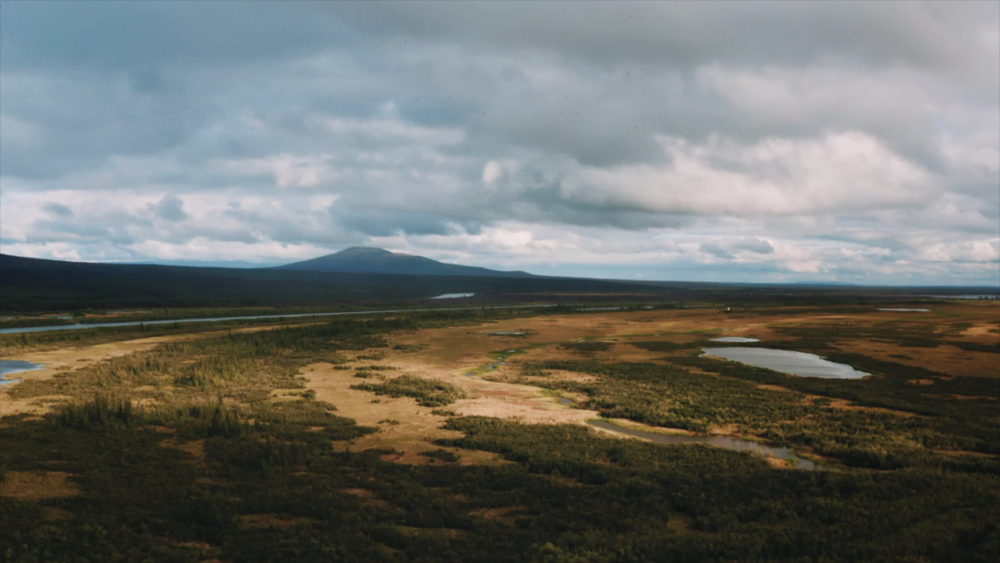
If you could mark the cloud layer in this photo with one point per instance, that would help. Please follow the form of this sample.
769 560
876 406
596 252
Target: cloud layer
702 141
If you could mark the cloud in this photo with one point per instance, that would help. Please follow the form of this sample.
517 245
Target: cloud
57 209
491 172
170 208
741 141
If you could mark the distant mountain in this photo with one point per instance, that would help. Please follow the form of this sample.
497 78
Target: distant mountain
366 260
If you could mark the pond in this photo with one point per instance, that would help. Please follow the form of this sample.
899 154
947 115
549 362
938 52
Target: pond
717 441
785 361
506 333
453 295
14 366
906 310
600 309
735 339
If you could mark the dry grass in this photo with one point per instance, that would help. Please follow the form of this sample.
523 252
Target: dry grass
942 359
37 485
194 449
494 513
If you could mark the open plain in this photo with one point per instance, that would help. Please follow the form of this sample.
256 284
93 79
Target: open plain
323 412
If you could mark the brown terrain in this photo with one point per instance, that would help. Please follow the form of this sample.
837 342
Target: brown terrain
462 355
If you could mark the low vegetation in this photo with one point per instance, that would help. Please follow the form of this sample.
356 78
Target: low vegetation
213 449
428 393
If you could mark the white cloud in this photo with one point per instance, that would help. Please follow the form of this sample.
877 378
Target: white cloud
491 172
839 172
289 171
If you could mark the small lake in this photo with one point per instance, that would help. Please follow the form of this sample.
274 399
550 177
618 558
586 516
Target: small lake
14 366
453 295
735 339
717 441
600 309
907 310
506 333
785 361
980 296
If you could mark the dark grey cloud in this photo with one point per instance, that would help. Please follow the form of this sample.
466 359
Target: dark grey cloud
170 208
57 210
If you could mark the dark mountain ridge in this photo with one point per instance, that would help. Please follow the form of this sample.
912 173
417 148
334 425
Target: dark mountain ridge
368 260
33 284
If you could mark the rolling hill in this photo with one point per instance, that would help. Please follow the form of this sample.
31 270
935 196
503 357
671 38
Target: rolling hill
368 260
32 284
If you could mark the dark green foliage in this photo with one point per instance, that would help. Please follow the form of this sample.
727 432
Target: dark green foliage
441 454
945 421
102 411
670 396
976 346
409 348
376 356
587 347
428 393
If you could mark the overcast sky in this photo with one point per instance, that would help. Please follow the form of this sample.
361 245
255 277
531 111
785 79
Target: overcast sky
732 141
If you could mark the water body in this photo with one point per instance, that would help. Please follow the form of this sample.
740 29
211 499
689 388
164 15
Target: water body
717 441
13 366
600 309
453 295
565 401
795 363
994 296
80 326
735 339
907 310
505 333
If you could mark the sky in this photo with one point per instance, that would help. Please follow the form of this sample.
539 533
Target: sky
853 142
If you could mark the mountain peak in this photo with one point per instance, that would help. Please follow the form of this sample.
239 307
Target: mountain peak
366 259
361 251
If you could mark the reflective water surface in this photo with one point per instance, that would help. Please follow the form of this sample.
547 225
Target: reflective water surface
80 326
15 366
735 339
795 363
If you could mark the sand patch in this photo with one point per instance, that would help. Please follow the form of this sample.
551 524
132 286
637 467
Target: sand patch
416 427
37 485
